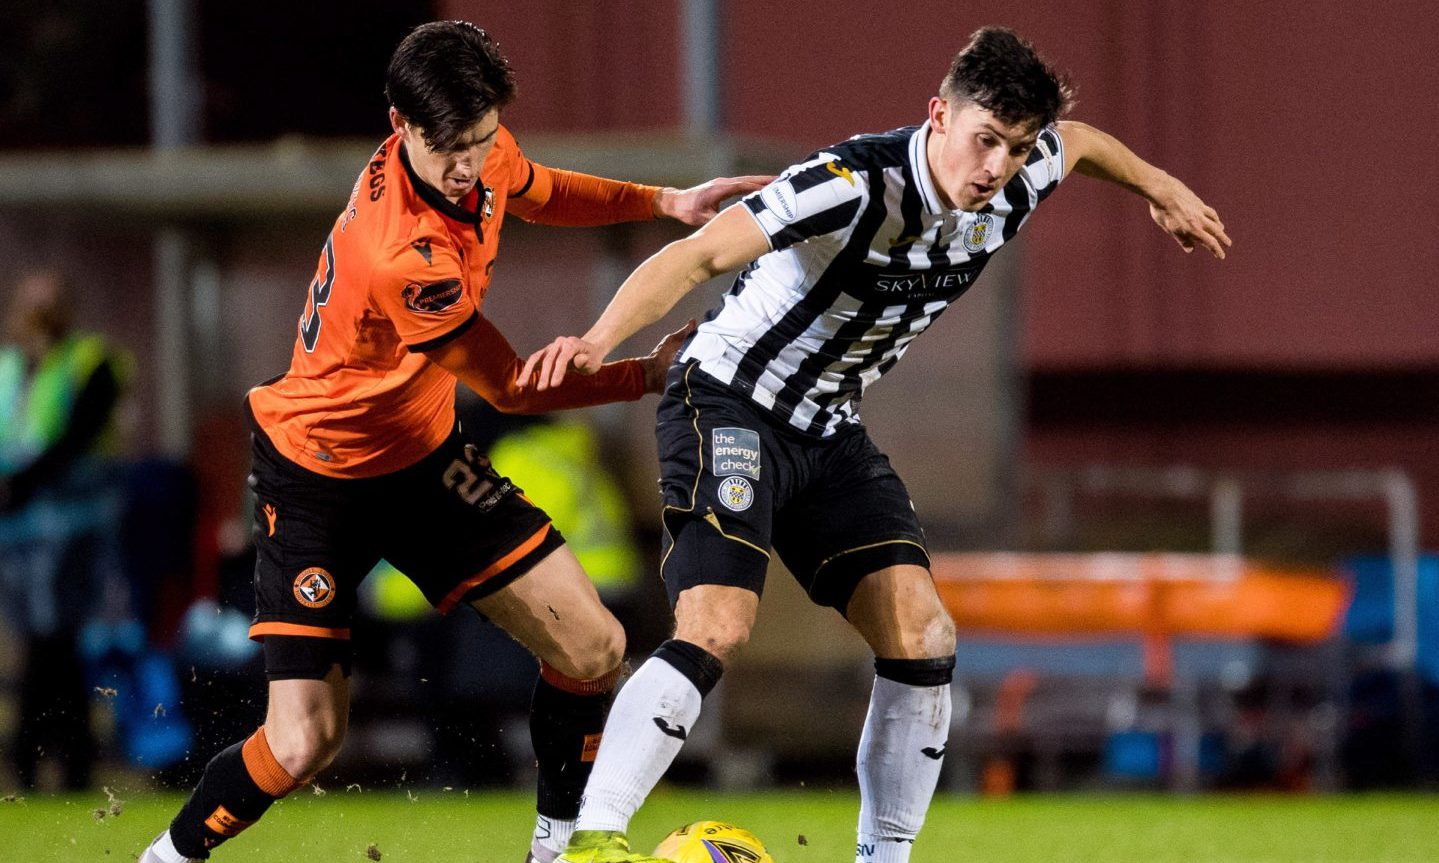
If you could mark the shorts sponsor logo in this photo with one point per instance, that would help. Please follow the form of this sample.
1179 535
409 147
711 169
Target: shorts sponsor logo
475 481
735 452
781 200
977 234
736 493
314 588
432 298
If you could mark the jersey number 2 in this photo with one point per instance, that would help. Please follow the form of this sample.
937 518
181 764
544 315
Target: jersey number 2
319 295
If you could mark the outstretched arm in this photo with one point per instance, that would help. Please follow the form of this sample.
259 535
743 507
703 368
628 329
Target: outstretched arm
556 197
729 241
481 357
1177 210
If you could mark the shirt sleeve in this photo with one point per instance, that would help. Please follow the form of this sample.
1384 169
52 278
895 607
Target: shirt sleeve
422 290
817 197
1045 165
551 196
556 197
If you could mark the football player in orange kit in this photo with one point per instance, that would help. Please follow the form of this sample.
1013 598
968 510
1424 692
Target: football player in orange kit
357 455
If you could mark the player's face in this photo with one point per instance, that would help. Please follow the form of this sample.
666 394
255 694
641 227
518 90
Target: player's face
454 172
973 153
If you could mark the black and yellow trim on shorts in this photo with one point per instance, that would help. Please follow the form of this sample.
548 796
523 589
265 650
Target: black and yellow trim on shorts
709 518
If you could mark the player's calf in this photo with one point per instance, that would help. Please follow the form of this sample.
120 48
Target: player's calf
238 786
567 718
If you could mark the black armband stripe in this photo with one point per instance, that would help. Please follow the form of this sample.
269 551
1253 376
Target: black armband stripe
530 181
442 340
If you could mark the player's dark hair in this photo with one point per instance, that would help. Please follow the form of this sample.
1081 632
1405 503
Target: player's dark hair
1003 74
444 77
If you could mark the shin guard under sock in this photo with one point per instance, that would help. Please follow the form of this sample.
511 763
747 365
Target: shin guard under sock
567 717
237 787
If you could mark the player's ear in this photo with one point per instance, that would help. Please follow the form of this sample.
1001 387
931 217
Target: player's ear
397 122
938 113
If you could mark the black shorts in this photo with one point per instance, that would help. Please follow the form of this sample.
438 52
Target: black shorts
449 522
736 483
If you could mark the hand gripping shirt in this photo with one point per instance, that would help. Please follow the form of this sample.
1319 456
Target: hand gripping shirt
404 271
864 257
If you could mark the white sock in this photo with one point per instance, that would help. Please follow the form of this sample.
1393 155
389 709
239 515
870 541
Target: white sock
551 837
162 850
635 752
900 753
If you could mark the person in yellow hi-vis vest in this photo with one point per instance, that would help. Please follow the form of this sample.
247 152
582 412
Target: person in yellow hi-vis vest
557 463
58 392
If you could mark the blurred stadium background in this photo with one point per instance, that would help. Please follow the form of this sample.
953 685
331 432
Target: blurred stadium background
1183 505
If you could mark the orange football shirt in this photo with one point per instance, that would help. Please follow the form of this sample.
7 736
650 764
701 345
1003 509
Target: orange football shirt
403 271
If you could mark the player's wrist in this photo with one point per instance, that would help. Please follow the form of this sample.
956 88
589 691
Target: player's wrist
655 370
1159 188
663 204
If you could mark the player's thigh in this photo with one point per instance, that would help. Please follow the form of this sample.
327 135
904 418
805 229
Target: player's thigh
900 615
555 611
720 474
853 518
717 617
305 721
459 530
313 547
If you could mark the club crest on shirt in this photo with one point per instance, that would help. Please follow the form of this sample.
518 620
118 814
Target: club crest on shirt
735 493
977 234
488 208
434 297
734 452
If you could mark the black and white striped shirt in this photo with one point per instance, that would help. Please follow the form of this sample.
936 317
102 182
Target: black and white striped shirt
864 258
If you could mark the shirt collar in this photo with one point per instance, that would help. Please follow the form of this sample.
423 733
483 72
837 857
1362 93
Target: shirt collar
432 196
919 162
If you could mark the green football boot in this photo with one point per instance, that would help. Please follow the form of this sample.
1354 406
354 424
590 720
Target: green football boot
603 846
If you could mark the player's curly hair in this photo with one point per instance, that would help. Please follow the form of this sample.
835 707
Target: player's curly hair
444 77
1002 73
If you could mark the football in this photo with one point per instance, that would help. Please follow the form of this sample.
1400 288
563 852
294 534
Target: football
713 842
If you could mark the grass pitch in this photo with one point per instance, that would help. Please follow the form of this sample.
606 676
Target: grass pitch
434 826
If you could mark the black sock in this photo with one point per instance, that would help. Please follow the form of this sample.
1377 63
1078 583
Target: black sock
228 799
566 720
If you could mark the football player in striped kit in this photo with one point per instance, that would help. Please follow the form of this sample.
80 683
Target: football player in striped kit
848 256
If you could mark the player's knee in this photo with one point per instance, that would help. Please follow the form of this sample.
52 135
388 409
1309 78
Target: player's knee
927 635
720 637
307 746
598 652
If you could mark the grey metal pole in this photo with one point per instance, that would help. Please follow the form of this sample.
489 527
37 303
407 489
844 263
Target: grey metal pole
174 87
174 124
700 56
1226 515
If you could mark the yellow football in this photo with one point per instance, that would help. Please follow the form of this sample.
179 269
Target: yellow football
713 842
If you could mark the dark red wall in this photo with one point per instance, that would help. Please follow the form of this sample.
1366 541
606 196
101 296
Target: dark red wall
1309 126
1305 124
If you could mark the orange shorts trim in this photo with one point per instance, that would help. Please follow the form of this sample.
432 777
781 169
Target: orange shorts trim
492 570
263 767
258 631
